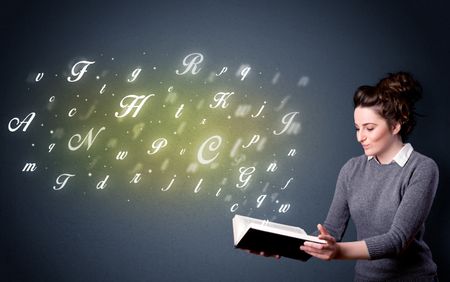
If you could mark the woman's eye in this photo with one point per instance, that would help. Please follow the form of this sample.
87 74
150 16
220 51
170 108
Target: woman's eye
370 129
357 129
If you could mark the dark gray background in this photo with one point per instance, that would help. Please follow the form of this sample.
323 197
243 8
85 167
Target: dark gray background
48 236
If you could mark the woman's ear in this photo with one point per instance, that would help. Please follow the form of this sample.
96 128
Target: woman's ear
396 128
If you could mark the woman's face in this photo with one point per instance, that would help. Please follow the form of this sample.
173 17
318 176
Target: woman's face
372 131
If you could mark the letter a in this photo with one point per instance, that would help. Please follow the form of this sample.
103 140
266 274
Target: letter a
27 120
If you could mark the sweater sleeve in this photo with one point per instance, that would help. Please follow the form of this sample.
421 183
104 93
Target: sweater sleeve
411 213
338 214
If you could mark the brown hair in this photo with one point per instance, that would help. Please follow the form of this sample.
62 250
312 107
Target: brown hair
393 98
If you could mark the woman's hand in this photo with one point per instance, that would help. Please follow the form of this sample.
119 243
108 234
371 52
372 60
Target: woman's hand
326 251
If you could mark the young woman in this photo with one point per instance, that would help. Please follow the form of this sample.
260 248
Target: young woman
388 191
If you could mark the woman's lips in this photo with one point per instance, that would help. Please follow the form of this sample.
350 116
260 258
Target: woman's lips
365 146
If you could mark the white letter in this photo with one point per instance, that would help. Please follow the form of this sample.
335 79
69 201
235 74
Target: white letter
215 144
134 75
287 120
102 184
88 137
80 73
133 104
190 62
29 118
254 140
62 180
29 167
121 155
234 207
157 145
284 208
246 174
39 76
221 98
260 200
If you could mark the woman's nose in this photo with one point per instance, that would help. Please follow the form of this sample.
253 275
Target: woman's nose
360 136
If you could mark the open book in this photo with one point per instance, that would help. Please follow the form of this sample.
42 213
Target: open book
271 238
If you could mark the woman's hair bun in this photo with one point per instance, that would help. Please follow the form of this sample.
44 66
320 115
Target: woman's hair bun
401 85
394 99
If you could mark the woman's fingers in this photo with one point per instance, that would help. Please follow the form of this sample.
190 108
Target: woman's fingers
318 255
322 229
310 250
328 238
314 245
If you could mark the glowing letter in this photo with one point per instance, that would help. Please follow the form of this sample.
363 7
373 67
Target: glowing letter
284 208
102 184
39 76
133 104
221 98
224 69
29 167
170 184
286 120
244 72
216 141
190 62
103 89
79 73
27 121
254 140
157 145
285 186
136 178
88 137
134 75
121 155
292 153
260 110
72 112
272 167
197 188
178 113
260 200
62 180
245 176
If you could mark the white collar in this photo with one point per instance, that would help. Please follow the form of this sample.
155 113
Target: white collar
402 156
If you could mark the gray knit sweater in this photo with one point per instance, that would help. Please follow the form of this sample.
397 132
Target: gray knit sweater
388 205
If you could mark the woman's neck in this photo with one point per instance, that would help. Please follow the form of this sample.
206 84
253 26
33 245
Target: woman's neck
387 156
